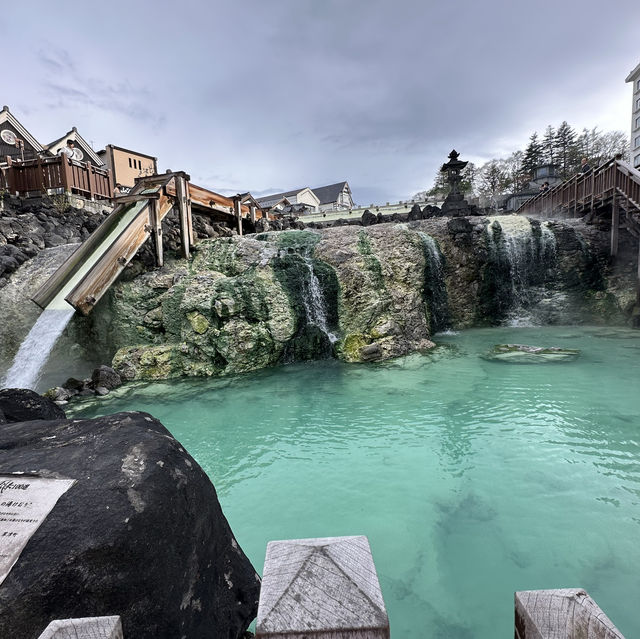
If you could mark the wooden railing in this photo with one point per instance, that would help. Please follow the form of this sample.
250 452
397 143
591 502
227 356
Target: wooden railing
58 173
586 191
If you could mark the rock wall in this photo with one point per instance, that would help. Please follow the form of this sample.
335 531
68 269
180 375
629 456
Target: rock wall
246 303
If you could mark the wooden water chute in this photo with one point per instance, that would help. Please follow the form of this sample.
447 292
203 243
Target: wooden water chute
89 272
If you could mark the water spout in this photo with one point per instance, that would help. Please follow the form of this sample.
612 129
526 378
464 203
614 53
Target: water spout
34 351
314 303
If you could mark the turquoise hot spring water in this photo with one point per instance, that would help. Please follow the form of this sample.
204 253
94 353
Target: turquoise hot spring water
471 478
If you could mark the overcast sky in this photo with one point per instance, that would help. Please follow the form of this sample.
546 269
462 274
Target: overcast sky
271 95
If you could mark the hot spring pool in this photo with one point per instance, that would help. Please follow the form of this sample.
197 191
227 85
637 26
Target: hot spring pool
471 478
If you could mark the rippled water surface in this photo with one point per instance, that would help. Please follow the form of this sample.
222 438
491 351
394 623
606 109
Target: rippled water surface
471 478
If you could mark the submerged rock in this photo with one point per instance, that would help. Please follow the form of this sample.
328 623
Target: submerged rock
523 354
140 534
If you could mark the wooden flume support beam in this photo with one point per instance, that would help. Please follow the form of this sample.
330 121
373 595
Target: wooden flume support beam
88 273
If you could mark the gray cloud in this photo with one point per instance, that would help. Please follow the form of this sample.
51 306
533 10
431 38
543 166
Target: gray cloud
250 94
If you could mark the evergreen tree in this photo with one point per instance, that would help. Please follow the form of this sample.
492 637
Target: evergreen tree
492 179
548 145
469 178
440 186
567 153
533 155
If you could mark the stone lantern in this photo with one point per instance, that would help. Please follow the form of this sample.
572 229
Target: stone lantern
454 204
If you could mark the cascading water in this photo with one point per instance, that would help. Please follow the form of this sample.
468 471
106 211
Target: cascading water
521 254
314 303
435 288
37 346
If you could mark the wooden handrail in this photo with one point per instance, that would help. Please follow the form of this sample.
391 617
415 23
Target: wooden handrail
583 189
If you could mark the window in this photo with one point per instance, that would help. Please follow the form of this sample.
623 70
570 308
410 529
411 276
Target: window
636 142
637 104
130 163
637 85
636 160
637 123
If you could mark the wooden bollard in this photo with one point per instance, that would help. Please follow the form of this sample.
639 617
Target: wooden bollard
327 586
84 628
568 613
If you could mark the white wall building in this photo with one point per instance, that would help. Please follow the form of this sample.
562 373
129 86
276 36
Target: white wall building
634 78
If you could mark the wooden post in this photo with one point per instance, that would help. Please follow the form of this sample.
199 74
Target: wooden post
321 588
181 200
84 628
638 286
238 211
568 613
615 224
92 180
156 230
66 174
192 241
39 175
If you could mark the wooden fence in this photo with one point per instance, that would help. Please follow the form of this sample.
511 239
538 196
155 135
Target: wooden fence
58 173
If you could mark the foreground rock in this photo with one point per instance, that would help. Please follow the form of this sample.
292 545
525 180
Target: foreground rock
21 405
141 535
523 354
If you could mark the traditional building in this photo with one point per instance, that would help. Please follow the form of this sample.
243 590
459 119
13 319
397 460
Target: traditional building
127 165
541 174
82 149
304 196
334 197
634 78
15 141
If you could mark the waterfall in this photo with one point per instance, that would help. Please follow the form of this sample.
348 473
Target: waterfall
521 255
36 348
435 288
314 303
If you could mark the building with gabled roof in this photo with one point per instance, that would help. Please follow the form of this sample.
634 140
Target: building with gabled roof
82 151
298 196
15 141
334 197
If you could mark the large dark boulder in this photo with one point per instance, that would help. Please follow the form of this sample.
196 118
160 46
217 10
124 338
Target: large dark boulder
141 534
368 218
21 405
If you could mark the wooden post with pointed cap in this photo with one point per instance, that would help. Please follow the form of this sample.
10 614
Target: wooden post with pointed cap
568 613
326 588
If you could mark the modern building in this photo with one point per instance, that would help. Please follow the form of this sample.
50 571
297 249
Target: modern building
304 196
82 149
334 197
634 78
15 141
126 165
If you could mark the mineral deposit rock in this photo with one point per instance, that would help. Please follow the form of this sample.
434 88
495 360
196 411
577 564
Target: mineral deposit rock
140 534
525 354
